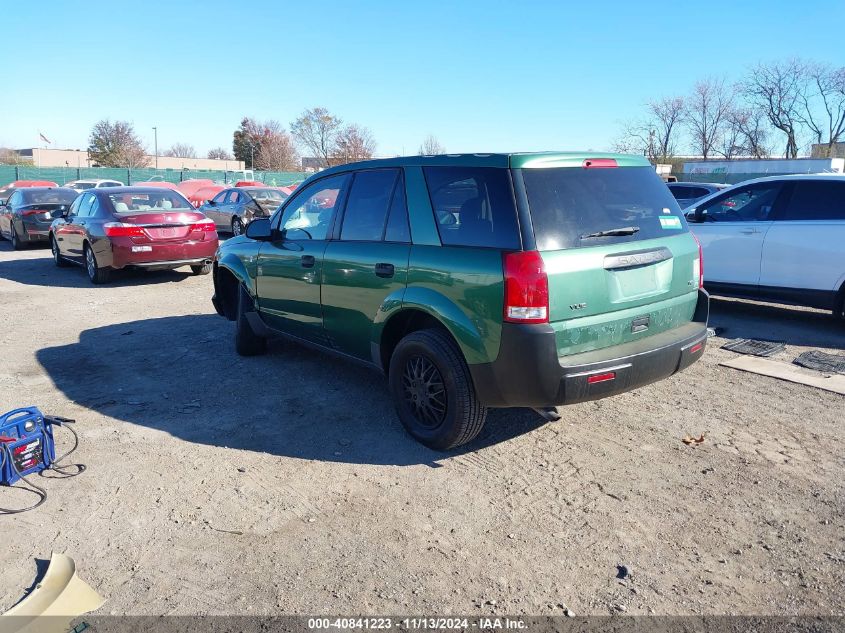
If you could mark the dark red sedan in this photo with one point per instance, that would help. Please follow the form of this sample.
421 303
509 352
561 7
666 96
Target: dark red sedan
142 227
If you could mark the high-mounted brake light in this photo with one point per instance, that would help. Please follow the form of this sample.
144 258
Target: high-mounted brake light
600 162
526 288
122 229
698 264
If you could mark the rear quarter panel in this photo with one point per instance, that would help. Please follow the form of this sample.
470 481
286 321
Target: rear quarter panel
464 289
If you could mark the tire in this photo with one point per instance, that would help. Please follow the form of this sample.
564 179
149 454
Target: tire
839 307
439 423
17 245
237 227
96 274
58 260
247 342
202 269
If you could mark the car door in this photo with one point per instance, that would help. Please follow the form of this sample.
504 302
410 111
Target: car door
71 234
731 228
289 270
804 247
369 261
214 209
6 213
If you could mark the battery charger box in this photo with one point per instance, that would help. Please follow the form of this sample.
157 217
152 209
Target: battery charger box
26 444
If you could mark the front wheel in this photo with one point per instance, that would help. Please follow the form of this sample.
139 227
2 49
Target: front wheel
237 227
96 274
433 391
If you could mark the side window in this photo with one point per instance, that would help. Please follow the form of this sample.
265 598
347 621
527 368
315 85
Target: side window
94 209
695 192
309 214
397 222
473 206
234 197
816 200
218 199
15 199
367 206
84 209
747 204
680 192
74 206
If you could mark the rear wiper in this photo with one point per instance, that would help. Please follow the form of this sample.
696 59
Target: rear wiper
625 230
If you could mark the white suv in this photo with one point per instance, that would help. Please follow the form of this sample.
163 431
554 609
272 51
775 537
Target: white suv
92 183
780 238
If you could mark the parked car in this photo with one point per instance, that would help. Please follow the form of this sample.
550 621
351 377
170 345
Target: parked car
232 209
163 184
7 190
92 183
26 216
141 227
688 193
188 187
476 281
204 194
780 238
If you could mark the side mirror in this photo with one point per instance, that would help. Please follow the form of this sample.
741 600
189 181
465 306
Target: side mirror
260 229
211 203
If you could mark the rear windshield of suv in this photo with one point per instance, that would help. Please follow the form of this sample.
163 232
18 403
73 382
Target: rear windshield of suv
575 207
473 206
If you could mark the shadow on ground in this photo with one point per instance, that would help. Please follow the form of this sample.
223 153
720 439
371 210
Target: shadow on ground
794 325
41 271
181 375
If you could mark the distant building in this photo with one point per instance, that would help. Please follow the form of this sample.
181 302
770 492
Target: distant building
78 158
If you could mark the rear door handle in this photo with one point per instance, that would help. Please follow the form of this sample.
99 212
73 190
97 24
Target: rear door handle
308 261
384 270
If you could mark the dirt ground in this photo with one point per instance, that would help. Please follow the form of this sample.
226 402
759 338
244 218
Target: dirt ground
285 483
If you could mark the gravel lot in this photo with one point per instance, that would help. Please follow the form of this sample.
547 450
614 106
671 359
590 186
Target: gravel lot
285 483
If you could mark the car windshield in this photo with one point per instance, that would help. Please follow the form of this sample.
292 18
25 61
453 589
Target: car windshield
50 196
134 201
572 208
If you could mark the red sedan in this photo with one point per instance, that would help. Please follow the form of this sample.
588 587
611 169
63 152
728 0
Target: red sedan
152 228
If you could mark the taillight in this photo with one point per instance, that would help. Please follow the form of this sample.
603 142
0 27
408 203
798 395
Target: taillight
526 288
206 224
122 229
600 162
698 264
34 211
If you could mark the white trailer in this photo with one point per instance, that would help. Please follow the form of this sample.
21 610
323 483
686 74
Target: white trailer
763 166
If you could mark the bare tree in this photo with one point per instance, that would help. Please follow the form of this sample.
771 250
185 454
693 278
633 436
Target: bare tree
777 89
277 153
116 145
657 135
354 143
181 150
431 146
316 130
219 153
706 114
823 104
749 133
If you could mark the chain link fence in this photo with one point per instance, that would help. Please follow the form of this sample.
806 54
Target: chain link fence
61 175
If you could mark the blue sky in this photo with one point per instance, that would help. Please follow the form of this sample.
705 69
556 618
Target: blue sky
479 75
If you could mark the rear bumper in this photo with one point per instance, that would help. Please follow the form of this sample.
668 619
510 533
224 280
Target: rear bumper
162 256
528 372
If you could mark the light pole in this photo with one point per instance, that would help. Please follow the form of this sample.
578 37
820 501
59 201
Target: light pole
155 136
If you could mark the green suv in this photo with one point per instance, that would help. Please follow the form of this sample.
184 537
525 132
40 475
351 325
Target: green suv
476 281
